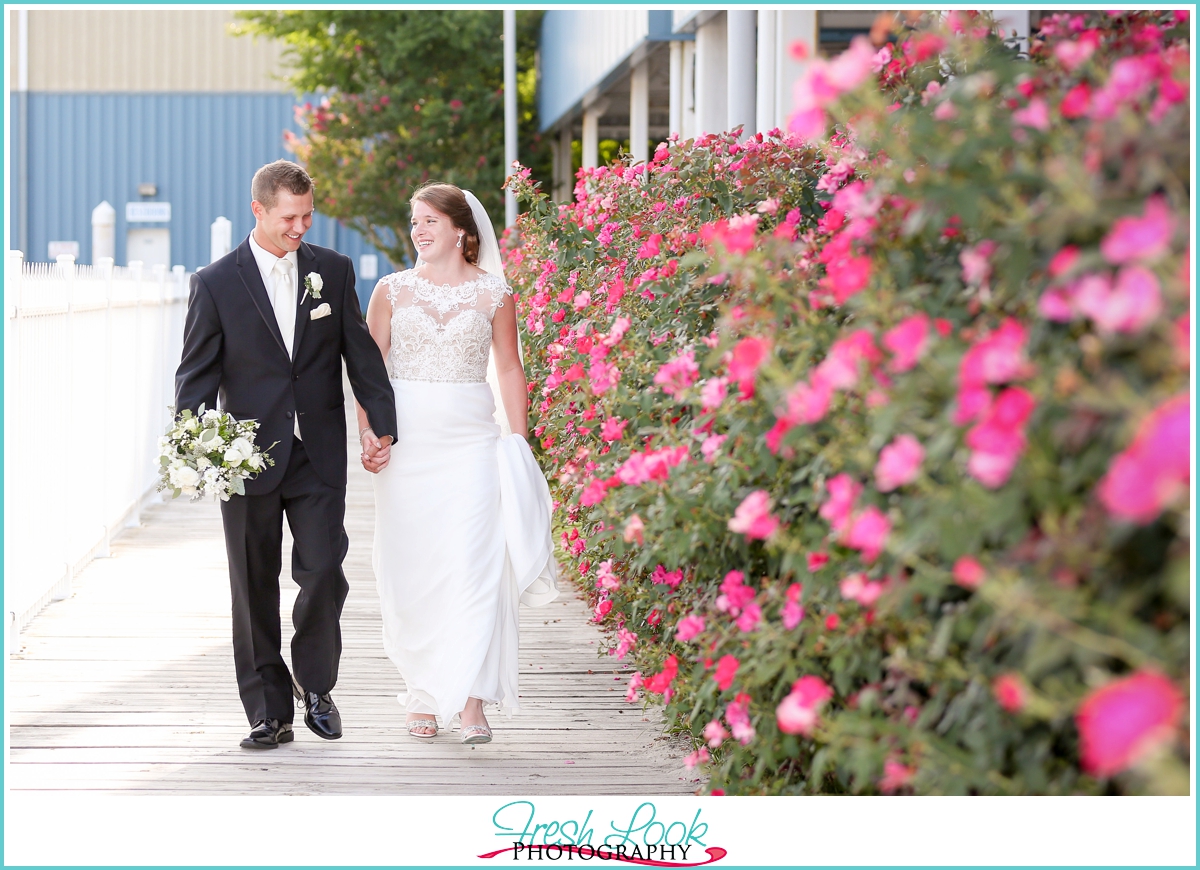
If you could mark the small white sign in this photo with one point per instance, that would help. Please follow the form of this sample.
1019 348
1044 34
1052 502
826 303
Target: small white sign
147 212
368 266
56 249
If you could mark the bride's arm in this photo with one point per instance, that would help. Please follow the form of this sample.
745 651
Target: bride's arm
509 371
379 323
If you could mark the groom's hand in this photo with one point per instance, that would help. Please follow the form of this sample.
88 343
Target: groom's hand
376 452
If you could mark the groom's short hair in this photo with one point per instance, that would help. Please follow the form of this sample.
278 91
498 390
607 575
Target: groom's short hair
281 174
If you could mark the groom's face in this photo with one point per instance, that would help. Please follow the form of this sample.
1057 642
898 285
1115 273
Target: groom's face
282 227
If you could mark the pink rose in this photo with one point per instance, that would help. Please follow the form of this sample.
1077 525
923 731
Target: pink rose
613 429
976 263
968 573
1121 722
689 627
895 776
843 493
634 530
868 533
858 588
603 376
1129 305
658 683
1010 692
816 561
713 393
907 342
1144 238
650 247
899 463
593 493
1154 470
748 356
792 614
736 235
678 374
715 733
1036 115
753 517
996 359
727 668
711 445
750 617
797 712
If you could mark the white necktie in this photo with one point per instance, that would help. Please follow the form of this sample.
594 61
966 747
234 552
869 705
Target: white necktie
285 302
285 312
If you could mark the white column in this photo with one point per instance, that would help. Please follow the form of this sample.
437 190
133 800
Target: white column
687 124
711 60
564 183
740 70
639 112
591 133
104 232
1014 20
510 110
764 98
791 26
675 124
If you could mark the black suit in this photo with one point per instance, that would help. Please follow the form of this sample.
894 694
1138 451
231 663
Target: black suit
232 347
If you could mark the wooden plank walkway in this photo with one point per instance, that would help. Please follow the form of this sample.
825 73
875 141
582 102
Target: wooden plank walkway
128 686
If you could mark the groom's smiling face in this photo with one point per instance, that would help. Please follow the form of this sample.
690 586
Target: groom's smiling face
281 227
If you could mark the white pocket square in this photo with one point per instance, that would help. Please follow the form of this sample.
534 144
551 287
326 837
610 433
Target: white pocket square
320 311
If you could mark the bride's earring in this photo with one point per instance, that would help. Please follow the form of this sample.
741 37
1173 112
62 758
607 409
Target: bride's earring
459 245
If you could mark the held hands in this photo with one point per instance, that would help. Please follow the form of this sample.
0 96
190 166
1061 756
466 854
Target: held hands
375 452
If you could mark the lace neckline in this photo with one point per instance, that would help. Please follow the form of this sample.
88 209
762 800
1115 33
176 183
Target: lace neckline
450 288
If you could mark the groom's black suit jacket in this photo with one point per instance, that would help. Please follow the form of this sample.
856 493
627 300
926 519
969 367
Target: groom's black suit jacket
232 347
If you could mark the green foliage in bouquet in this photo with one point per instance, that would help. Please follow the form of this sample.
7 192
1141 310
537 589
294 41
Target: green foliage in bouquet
209 453
873 452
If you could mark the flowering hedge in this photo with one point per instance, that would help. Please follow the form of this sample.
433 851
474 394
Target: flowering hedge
871 439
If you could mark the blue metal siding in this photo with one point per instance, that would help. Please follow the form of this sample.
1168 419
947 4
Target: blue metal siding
201 149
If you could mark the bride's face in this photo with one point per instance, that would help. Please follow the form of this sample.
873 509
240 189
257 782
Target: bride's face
434 235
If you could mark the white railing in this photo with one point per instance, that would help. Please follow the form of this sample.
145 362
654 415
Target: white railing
90 354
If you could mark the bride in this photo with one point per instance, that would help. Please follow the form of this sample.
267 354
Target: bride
462 514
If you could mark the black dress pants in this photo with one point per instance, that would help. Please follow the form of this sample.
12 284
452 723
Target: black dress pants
254 542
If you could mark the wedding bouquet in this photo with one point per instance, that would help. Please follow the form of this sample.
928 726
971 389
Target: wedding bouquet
209 453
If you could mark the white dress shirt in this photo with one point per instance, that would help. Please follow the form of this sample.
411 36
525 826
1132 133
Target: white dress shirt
266 262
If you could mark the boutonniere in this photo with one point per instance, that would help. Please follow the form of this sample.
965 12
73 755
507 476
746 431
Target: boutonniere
313 285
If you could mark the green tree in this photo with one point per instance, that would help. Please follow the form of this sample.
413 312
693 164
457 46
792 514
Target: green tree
398 98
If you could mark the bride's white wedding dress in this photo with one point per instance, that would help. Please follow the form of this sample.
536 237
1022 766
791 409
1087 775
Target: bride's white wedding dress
462 515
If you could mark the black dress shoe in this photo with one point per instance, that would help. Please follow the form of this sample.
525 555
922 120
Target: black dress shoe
268 734
320 713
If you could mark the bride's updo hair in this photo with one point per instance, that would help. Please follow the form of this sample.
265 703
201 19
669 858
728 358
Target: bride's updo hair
451 202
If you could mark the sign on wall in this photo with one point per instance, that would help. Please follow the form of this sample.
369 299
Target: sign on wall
147 212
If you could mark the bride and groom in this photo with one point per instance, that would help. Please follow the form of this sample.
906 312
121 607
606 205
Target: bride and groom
462 514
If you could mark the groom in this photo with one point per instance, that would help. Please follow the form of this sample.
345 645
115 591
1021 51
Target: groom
268 326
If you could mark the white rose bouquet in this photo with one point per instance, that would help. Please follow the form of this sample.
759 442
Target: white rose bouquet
209 453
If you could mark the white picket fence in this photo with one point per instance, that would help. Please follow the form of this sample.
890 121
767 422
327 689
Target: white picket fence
90 354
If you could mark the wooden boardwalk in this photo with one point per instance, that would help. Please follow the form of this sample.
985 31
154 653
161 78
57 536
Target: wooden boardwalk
128 686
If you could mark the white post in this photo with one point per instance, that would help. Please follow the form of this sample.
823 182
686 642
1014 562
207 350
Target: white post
687 123
220 239
791 26
510 110
1014 27
765 95
13 447
566 181
135 273
675 124
639 112
105 265
62 589
711 81
104 232
740 70
591 133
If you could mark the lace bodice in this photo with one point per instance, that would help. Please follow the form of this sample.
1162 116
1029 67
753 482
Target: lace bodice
439 332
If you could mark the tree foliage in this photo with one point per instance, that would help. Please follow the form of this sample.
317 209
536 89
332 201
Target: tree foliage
396 98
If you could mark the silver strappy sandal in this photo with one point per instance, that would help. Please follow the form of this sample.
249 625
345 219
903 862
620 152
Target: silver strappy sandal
422 723
475 734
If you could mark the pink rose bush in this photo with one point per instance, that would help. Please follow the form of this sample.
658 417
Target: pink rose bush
874 460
